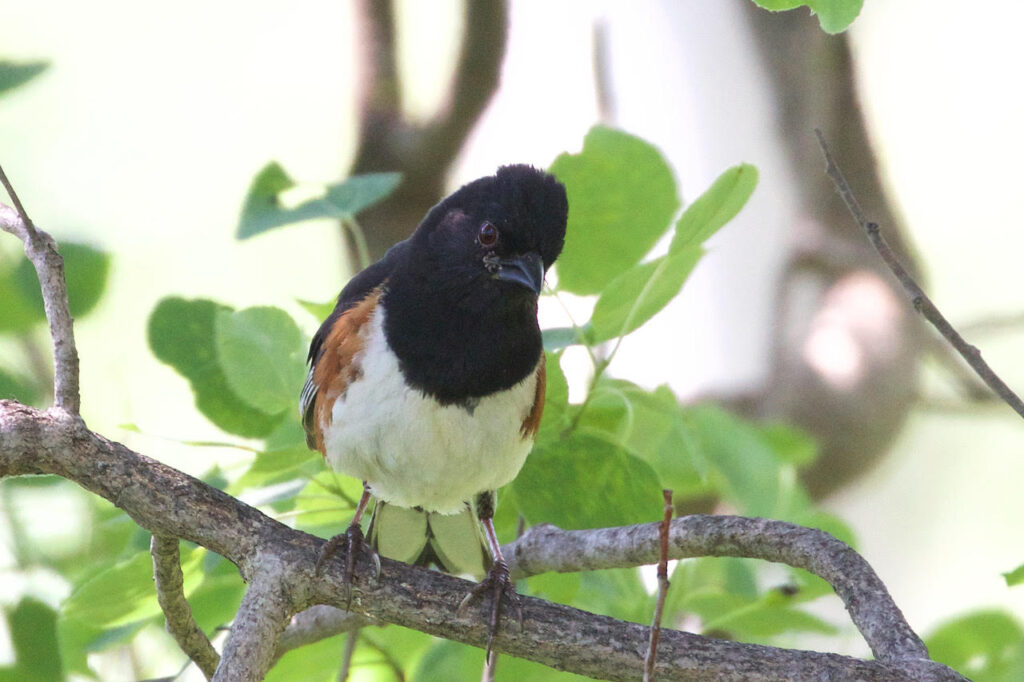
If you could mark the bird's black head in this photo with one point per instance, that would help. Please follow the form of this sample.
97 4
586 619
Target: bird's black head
461 298
507 228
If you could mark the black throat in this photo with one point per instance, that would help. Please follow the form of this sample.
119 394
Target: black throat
461 339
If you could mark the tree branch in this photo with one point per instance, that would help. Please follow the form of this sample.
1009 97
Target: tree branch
279 562
166 501
169 593
41 250
316 623
261 618
545 548
921 302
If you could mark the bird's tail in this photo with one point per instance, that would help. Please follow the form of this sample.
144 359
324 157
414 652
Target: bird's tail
452 542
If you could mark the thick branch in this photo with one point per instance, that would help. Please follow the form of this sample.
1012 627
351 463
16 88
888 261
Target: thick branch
42 252
261 618
921 302
169 592
168 502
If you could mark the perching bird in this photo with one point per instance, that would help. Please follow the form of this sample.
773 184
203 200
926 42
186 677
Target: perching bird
427 380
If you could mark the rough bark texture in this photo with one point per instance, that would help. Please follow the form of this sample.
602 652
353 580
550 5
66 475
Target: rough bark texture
169 583
278 562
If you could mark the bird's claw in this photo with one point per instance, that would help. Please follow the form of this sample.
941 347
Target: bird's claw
353 541
501 588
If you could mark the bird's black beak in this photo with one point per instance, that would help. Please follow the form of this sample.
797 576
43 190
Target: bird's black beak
526 269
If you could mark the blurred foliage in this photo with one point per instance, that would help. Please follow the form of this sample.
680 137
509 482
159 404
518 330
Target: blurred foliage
13 74
835 16
986 646
599 461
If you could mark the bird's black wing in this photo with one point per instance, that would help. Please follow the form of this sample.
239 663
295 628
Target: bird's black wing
358 288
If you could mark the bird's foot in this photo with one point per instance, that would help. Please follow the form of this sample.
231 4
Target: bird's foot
501 588
354 542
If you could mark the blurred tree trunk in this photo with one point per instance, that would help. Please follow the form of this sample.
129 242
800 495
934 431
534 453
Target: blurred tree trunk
846 340
388 141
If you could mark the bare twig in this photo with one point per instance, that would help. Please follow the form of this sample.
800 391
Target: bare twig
42 252
663 585
351 639
22 213
921 302
169 592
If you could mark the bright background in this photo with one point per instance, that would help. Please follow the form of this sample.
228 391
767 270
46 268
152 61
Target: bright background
145 132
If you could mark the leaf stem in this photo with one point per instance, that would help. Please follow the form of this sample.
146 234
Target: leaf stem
350 223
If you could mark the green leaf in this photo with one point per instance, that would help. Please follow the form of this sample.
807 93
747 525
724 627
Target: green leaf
85 271
556 587
651 425
618 593
716 207
639 293
789 443
124 592
558 338
986 646
448 661
263 210
17 388
182 334
18 313
33 629
585 481
320 311
13 74
1014 577
317 662
276 466
261 352
835 16
622 197
215 601
359 192
746 470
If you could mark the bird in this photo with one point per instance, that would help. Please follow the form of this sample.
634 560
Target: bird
427 379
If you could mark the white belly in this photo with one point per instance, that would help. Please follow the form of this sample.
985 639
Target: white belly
412 451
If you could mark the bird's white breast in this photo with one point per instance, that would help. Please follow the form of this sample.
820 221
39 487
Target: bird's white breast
414 451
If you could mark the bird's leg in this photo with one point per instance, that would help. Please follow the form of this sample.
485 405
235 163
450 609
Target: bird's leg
354 542
497 582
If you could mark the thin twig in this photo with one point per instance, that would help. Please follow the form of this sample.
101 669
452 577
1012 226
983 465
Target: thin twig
921 302
18 206
346 655
663 585
171 596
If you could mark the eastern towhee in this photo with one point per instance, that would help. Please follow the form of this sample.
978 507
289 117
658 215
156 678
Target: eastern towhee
427 379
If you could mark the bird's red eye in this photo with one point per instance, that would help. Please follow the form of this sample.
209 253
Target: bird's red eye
488 235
